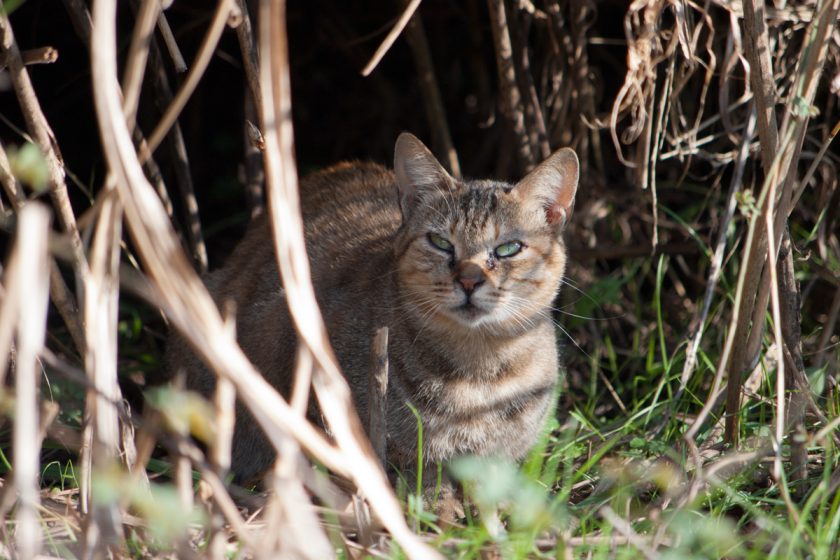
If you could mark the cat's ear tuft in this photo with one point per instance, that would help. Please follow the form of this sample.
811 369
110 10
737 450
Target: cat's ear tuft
417 171
553 183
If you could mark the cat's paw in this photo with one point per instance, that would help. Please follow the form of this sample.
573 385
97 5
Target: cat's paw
449 506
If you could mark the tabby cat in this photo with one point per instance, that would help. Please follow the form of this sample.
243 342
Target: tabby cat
462 272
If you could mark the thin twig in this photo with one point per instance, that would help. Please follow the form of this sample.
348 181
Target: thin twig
41 55
757 46
183 175
254 178
624 527
533 110
250 59
171 44
202 59
391 37
138 53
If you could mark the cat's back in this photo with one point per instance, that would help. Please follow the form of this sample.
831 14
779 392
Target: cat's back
350 210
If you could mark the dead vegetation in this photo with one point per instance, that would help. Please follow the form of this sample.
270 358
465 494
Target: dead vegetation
706 243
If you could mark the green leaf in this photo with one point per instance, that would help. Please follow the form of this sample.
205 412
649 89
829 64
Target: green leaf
29 166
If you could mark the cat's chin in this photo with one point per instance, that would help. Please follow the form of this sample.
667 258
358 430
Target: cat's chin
469 314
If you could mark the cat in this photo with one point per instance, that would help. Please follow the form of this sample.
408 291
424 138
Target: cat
463 273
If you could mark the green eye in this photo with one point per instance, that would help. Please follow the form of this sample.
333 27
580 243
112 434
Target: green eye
508 249
440 242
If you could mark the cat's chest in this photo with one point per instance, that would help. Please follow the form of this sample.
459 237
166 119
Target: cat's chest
492 409
454 393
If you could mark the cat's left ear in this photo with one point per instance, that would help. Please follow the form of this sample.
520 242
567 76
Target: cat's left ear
418 172
553 183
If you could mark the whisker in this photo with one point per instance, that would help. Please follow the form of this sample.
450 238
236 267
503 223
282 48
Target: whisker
567 282
531 306
570 314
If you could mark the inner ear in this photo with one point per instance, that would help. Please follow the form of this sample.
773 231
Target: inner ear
553 184
417 171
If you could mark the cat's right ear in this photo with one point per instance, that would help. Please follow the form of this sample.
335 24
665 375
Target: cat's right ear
553 184
418 172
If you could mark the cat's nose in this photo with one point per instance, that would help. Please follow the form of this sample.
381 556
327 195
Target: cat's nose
470 276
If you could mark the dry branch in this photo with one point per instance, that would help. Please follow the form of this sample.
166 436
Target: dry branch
171 44
27 292
391 37
432 101
537 133
178 288
250 59
41 132
202 59
59 291
41 55
754 287
254 176
715 271
511 98
183 175
138 54
330 386
378 391
192 311
101 436
757 43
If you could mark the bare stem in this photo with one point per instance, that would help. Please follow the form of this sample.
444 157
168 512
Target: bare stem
508 87
30 265
391 37
284 206
432 101
205 53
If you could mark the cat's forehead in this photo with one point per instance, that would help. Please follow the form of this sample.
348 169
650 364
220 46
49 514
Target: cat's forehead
480 203
474 207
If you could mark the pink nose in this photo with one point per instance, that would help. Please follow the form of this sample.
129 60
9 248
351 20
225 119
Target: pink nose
470 276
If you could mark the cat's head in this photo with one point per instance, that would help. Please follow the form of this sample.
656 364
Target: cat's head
481 254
